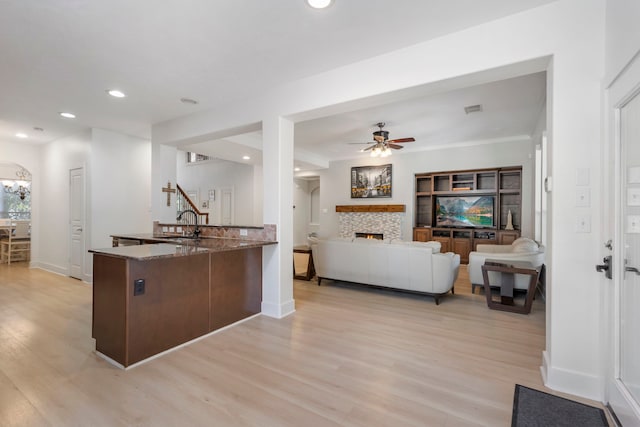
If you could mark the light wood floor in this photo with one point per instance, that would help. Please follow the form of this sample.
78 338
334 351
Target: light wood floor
349 356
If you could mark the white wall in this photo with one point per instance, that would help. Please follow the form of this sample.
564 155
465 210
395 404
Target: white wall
571 33
120 185
117 179
56 159
622 35
336 180
215 175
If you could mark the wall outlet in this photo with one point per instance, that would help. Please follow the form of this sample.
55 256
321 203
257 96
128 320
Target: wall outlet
138 287
243 232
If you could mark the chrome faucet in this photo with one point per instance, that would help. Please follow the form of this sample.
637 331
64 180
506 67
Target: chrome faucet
196 230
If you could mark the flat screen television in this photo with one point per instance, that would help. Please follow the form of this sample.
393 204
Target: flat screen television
465 211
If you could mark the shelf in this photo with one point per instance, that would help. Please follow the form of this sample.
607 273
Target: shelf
370 208
502 184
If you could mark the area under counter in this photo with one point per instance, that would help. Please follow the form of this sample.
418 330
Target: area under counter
188 291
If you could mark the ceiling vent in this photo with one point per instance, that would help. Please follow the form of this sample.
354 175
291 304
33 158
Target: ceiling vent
473 108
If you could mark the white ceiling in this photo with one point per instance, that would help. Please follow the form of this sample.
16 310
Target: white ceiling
61 55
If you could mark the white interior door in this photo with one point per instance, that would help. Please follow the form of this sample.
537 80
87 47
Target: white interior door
76 223
624 378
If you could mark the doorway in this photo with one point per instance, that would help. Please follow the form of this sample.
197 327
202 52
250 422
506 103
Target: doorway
76 223
623 224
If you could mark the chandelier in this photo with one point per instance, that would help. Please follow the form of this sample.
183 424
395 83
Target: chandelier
20 187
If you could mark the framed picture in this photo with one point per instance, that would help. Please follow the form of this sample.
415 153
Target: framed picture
370 182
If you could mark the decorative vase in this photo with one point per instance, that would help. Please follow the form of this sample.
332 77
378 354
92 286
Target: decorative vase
509 225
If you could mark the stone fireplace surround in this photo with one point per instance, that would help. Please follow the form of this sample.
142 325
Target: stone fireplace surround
387 223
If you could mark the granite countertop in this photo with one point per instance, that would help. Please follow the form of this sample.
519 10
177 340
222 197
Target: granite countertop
169 246
156 250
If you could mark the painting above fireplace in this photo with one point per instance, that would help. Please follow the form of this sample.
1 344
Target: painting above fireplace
370 181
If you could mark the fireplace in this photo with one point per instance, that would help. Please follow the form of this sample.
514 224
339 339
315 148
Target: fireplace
378 236
387 223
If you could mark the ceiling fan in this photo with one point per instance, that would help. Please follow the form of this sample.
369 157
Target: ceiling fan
382 144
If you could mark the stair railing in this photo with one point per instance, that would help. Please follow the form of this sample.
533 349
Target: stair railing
184 203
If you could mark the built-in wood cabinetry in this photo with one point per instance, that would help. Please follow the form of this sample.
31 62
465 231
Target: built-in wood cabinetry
504 184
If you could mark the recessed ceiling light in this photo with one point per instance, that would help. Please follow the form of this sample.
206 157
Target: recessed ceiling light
116 93
22 135
188 101
68 115
296 169
246 158
319 4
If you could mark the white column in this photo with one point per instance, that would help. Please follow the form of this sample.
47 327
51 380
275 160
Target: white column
277 263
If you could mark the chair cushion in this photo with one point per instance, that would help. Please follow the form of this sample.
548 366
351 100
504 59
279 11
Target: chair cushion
524 245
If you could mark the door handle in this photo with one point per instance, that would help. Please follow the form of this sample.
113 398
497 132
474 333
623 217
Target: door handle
606 267
635 270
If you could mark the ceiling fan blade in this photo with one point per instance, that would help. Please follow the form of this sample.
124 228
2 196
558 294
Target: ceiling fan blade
357 143
397 147
368 148
402 140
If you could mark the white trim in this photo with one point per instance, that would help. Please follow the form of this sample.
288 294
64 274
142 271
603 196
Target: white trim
573 382
621 91
278 311
50 268
627 413
155 356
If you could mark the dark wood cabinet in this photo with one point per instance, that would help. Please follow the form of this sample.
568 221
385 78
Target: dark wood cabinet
503 184
421 234
142 307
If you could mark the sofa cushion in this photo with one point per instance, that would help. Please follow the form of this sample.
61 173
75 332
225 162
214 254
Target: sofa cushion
524 245
364 240
340 239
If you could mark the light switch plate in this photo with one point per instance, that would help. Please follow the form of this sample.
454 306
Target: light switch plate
633 175
583 224
633 196
633 224
582 177
583 197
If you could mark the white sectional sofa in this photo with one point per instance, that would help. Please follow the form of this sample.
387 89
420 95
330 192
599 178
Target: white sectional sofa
411 266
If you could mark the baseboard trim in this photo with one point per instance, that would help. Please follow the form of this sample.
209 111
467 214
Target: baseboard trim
571 382
278 311
50 268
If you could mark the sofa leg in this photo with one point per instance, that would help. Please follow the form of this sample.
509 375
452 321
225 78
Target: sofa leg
473 288
437 300
453 290
319 280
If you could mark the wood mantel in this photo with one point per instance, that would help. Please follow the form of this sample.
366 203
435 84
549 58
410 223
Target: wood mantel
370 208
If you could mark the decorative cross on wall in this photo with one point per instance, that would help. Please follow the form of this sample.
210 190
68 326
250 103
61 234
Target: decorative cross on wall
168 190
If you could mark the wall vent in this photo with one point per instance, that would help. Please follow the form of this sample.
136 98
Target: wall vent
473 108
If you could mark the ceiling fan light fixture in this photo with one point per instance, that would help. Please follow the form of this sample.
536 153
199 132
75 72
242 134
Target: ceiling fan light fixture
319 4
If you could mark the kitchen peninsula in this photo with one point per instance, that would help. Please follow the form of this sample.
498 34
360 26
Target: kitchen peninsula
151 297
